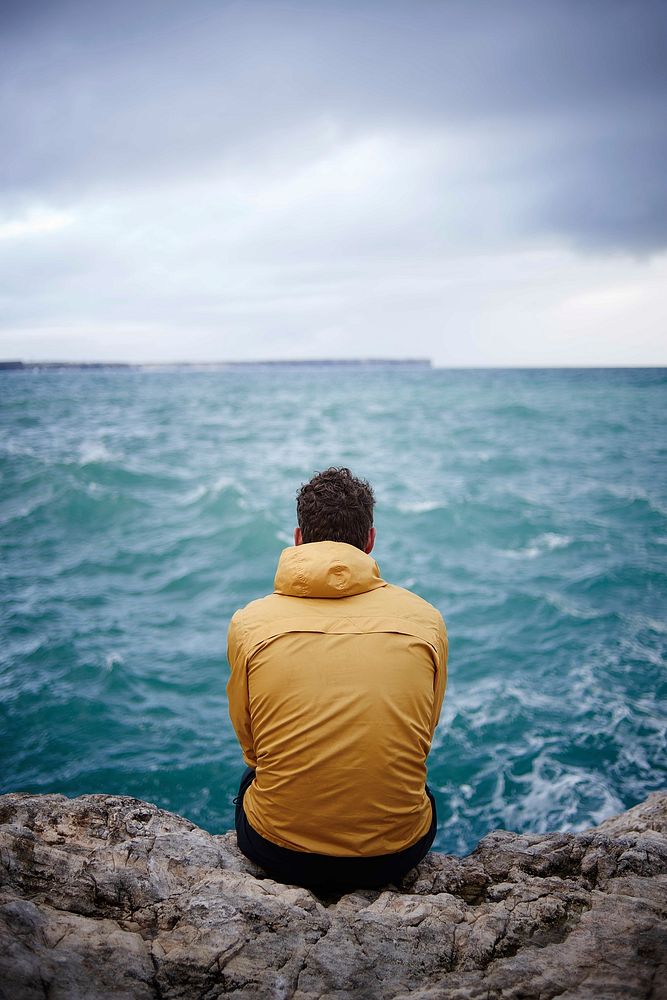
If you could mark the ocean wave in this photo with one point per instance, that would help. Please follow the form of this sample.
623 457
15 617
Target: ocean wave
546 542
628 576
18 509
624 498
74 506
572 609
14 449
419 506
552 795
217 496
193 495
518 411
113 659
190 582
94 452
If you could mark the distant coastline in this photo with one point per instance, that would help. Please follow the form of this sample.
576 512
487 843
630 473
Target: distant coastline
218 365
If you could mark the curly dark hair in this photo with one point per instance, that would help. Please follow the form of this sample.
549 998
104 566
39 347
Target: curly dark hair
335 506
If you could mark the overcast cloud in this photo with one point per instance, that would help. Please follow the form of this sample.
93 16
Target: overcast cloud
480 183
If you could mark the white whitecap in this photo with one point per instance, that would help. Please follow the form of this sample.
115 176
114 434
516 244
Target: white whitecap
543 543
554 541
419 506
13 448
568 607
193 495
554 794
94 451
112 659
220 484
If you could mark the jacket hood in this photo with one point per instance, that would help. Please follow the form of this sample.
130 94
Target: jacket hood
326 569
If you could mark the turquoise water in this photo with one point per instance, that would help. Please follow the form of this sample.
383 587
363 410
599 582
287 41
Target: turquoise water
138 510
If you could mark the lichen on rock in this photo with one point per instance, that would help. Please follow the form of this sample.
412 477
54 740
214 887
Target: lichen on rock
109 896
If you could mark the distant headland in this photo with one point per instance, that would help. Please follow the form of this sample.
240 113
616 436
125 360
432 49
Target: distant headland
220 365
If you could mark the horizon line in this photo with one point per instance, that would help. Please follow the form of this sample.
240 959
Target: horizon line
9 364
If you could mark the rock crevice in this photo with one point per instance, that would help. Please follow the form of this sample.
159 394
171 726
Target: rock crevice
109 896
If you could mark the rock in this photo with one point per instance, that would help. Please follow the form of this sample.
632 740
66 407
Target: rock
108 896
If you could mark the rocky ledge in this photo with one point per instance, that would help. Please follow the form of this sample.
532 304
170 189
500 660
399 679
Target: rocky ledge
108 896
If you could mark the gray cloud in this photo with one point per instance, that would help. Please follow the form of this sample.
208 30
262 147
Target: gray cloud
243 179
100 97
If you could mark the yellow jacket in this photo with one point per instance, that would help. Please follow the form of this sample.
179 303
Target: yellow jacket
337 681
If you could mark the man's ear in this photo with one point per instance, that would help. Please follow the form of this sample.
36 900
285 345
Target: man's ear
371 541
298 537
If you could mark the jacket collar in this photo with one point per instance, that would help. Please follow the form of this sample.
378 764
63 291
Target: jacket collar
326 569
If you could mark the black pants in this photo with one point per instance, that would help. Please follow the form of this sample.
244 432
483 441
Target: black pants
323 871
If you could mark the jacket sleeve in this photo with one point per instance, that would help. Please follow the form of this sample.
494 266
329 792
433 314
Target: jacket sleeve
237 689
440 679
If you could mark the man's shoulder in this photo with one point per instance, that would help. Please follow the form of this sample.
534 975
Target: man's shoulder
410 603
274 612
256 610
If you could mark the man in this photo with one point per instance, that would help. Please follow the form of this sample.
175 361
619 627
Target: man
337 681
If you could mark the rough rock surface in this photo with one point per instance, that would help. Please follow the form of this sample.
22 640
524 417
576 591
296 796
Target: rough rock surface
109 896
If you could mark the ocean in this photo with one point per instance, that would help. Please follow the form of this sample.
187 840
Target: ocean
139 509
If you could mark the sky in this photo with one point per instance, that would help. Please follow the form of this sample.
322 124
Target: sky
479 183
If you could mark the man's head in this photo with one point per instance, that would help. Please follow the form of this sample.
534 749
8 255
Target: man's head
336 507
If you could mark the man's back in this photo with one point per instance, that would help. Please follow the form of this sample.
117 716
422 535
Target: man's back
336 688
